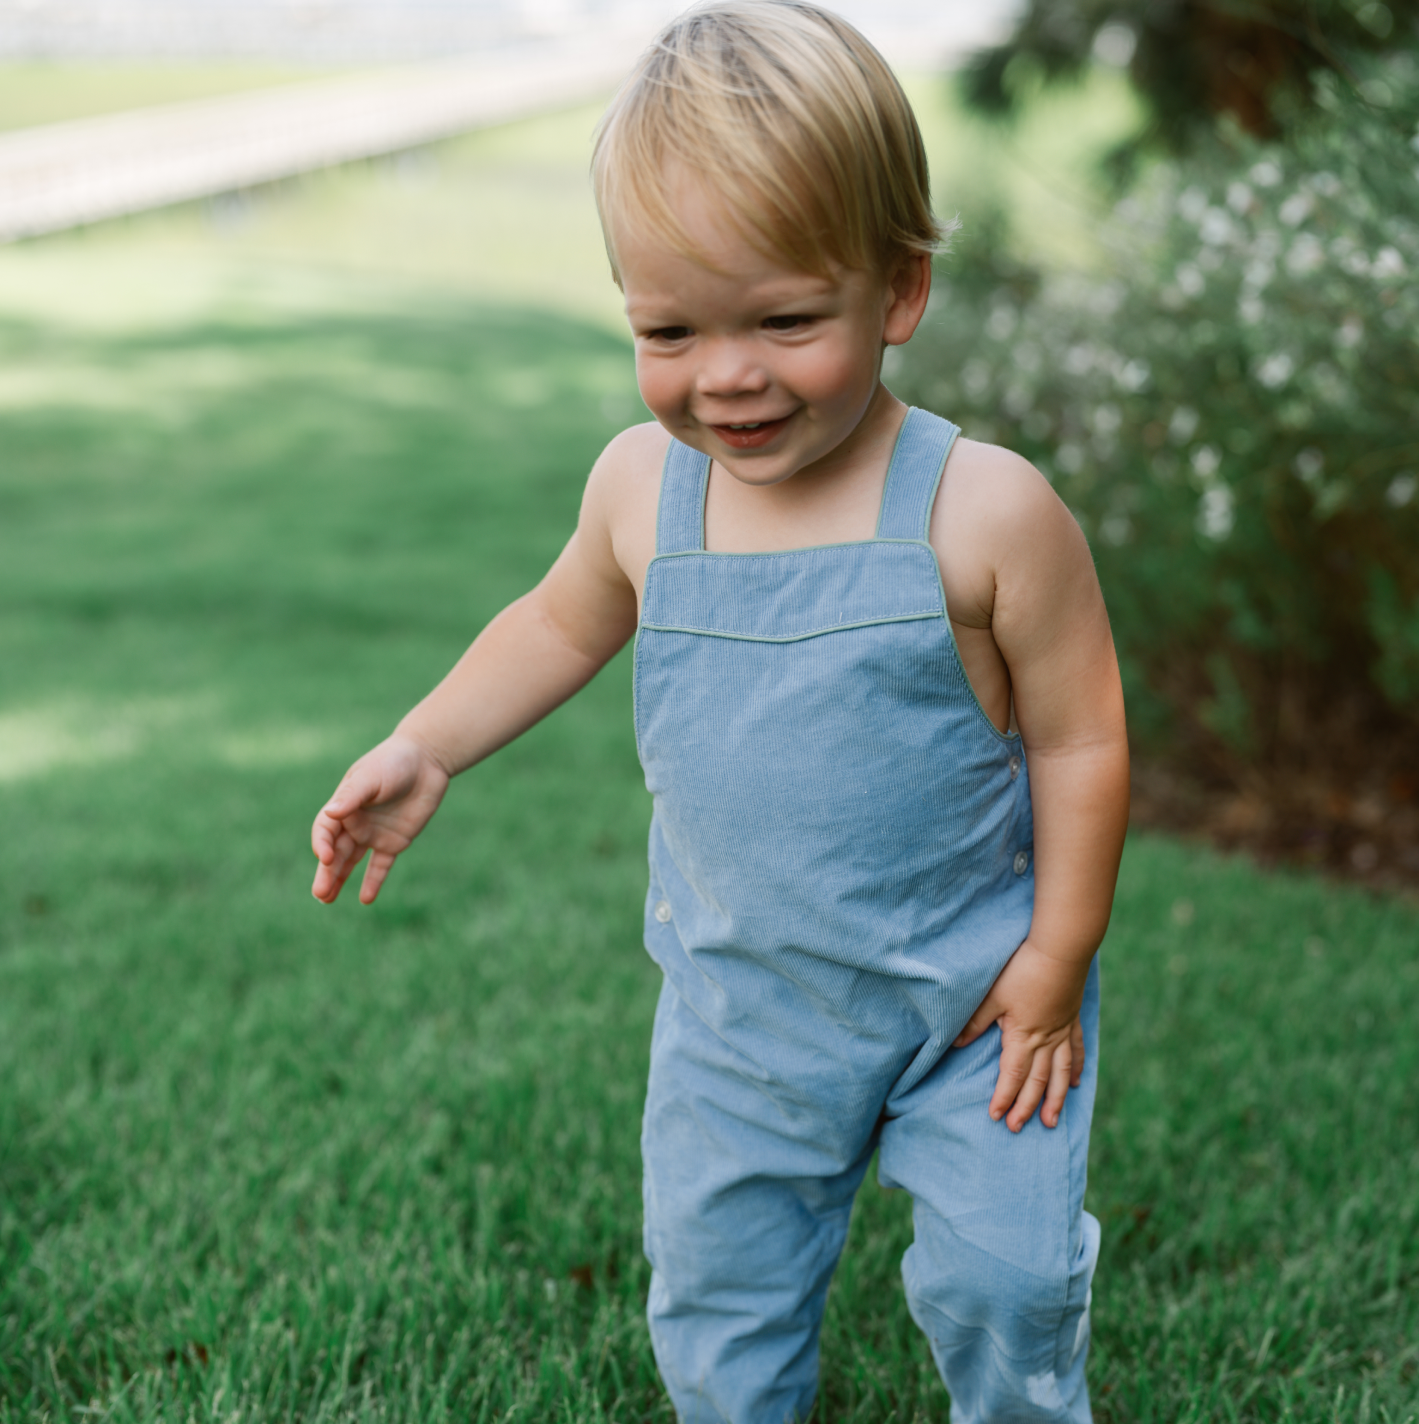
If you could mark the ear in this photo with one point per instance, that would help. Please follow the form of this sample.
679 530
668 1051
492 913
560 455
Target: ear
908 289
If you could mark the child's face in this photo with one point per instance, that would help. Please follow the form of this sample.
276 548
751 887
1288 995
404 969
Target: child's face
763 367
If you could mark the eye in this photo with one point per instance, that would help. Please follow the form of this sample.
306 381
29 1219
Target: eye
670 333
788 323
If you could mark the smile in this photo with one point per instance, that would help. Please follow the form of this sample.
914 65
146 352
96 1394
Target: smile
748 435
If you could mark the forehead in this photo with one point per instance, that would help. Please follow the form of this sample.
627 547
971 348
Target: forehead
711 256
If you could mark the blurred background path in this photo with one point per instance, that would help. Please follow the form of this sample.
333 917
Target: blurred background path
511 60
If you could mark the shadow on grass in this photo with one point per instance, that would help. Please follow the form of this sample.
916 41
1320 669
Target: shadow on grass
262 1157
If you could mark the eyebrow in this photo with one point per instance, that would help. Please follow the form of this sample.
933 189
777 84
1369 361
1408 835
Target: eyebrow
771 300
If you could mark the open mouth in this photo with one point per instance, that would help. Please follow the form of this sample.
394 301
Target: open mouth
750 434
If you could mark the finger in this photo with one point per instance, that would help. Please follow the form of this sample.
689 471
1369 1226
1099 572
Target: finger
1076 1044
1036 1082
978 1022
348 854
358 787
326 887
1014 1071
1058 1088
375 874
324 832
330 876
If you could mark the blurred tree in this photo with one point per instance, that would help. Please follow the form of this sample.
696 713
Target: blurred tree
1193 61
1229 404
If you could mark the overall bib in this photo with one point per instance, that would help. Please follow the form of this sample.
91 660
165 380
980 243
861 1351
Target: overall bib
840 866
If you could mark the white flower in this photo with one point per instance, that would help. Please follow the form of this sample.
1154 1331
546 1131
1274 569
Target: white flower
1190 281
1001 321
1305 256
1192 203
1351 332
1259 273
1215 514
1267 175
1401 490
1239 198
1251 309
1387 263
1070 458
1352 259
1326 184
1205 462
1310 465
1216 227
1275 370
1106 419
1183 425
1133 375
1296 209
1114 45
1078 360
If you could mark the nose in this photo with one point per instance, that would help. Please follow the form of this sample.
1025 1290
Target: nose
728 368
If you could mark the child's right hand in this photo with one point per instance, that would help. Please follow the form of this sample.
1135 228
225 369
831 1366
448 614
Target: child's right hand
381 804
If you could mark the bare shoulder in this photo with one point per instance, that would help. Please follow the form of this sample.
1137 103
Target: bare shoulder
623 493
997 520
635 453
996 491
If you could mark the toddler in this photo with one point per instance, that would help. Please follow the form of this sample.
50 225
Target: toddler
878 708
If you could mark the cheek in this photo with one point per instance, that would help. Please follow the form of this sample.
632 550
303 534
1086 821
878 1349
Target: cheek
659 385
835 369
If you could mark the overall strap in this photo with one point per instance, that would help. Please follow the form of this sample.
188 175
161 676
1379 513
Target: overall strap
923 444
680 522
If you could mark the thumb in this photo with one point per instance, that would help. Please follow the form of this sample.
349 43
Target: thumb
988 1012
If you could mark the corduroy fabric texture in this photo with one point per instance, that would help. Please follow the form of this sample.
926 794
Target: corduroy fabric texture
840 866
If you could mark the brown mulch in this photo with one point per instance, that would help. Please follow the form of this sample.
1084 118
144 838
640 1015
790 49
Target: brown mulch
1364 830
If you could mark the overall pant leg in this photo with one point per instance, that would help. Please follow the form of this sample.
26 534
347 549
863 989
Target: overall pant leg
999 1274
746 1208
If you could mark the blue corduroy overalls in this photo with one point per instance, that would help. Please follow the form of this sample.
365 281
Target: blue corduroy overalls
840 866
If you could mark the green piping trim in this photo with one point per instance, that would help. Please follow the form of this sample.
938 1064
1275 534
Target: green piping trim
785 553
799 637
936 484
705 472
1010 739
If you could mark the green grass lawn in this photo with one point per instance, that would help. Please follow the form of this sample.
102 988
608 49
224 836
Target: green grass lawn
263 472
260 1159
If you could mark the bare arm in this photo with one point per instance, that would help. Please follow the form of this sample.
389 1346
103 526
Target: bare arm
1052 628
533 656
1048 620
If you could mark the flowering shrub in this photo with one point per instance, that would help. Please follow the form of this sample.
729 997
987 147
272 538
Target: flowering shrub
1233 415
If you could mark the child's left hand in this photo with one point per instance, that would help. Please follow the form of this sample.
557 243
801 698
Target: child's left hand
1036 1002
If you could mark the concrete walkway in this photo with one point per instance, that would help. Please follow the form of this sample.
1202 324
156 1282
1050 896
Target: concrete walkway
63 175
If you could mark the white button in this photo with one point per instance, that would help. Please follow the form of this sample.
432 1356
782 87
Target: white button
1022 861
1014 767
662 912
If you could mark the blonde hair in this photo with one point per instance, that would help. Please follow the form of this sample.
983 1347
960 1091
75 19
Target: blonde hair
791 118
